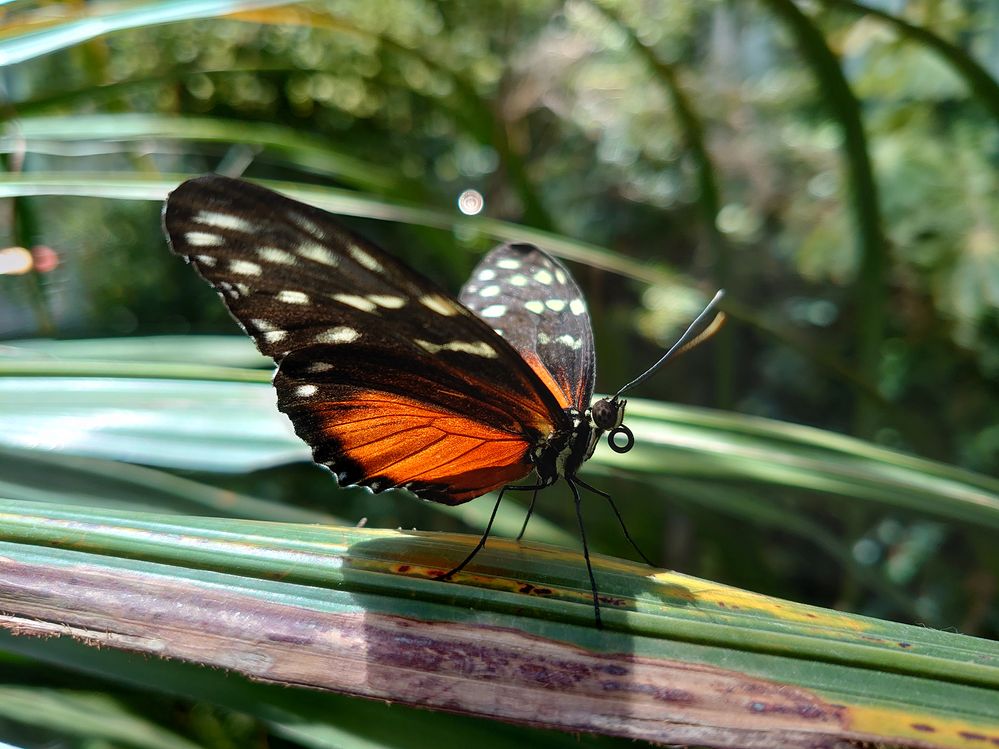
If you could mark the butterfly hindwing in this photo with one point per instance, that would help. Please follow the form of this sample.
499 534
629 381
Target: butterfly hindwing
364 344
529 298
372 433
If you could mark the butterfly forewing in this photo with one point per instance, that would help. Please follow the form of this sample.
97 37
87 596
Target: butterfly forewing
529 299
364 345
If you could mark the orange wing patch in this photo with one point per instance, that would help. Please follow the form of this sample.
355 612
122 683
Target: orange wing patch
563 391
394 441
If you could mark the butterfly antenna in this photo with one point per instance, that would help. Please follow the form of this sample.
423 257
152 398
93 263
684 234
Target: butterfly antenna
527 518
620 519
586 551
704 326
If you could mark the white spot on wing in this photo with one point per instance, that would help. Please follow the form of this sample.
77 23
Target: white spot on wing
535 306
570 341
318 253
341 334
494 310
319 366
438 304
203 239
206 260
518 280
387 301
543 338
476 348
275 255
262 325
293 297
490 291
242 288
487 275
304 391
304 223
244 267
273 336
357 302
577 307
363 258
555 305
543 277
560 275
508 263
433 348
223 221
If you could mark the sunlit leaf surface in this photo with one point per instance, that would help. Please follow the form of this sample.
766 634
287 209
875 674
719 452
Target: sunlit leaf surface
359 611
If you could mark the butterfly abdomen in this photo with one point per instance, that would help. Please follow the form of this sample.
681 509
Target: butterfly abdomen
562 453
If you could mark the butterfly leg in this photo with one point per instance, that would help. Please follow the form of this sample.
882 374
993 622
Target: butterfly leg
619 519
489 526
527 518
586 551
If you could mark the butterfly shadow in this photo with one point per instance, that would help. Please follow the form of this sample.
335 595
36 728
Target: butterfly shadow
509 582
513 635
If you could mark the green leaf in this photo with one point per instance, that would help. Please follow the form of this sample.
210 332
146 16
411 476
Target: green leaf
311 154
687 441
358 611
44 476
977 77
19 47
235 426
123 186
193 424
844 107
211 350
85 714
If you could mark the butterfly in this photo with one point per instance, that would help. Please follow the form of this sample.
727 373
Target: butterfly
393 382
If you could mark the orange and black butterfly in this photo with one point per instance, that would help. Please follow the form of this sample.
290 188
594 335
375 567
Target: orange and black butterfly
393 382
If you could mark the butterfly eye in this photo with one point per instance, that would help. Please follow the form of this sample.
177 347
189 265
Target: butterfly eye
608 413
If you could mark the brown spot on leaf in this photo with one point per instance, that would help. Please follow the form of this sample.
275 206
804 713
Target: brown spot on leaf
472 667
612 601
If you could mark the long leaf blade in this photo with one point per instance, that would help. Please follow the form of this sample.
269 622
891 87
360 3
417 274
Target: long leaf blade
358 611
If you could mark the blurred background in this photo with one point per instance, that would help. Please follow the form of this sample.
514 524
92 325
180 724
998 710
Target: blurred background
833 165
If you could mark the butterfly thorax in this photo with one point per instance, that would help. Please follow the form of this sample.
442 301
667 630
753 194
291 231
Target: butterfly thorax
562 454
564 451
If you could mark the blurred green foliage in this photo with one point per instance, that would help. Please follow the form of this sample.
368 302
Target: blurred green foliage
610 122
551 113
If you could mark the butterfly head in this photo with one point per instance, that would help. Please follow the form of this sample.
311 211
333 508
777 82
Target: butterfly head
608 416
